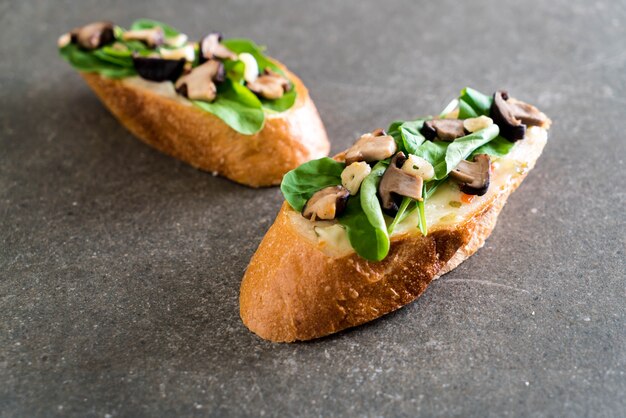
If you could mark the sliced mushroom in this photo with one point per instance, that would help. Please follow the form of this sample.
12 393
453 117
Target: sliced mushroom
528 114
210 48
187 52
152 37
158 69
473 176
326 204
94 35
270 85
374 146
443 129
396 184
199 83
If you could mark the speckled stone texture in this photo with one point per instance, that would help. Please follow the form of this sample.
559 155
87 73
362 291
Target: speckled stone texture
120 267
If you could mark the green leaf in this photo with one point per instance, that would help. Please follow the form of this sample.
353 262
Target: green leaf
87 61
497 148
121 58
239 45
463 147
140 24
433 151
300 184
364 220
237 106
281 104
369 242
407 134
422 226
400 215
473 103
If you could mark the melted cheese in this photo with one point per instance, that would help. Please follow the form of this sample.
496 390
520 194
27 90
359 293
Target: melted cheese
444 209
163 88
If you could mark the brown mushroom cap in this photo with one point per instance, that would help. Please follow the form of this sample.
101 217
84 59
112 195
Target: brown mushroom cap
152 37
396 184
374 146
528 114
199 83
93 35
270 85
211 47
158 69
326 204
443 129
473 176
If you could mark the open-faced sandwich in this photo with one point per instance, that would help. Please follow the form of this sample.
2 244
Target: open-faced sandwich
364 233
219 104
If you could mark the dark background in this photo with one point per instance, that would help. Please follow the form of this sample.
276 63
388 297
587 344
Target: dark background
120 267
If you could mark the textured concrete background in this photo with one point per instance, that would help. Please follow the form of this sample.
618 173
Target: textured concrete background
120 267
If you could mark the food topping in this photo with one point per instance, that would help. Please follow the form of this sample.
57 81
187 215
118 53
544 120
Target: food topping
473 176
176 41
199 83
443 129
158 69
352 176
94 35
270 85
476 124
251 68
211 47
326 204
186 52
152 37
417 166
397 183
374 146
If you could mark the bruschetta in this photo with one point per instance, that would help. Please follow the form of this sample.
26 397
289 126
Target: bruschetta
364 233
220 105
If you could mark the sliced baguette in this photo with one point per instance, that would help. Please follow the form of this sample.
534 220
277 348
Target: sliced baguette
154 114
297 288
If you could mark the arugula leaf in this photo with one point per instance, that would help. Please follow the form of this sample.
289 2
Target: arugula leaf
237 106
300 184
473 103
369 242
140 24
88 62
374 226
497 148
407 134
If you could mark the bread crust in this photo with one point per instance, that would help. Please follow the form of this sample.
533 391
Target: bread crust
292 291
203 140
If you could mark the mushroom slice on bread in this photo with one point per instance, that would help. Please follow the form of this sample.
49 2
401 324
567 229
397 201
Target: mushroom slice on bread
396 184
270 85
374 146
157 68
211 47
443 129
473 176
152 37
512 116
93 35
199 83
326 204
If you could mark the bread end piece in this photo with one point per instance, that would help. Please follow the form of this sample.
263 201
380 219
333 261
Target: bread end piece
204 141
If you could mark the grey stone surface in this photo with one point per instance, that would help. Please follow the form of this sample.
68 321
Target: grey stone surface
120 267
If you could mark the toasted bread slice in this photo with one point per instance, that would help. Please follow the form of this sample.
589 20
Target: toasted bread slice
305 281
159 117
